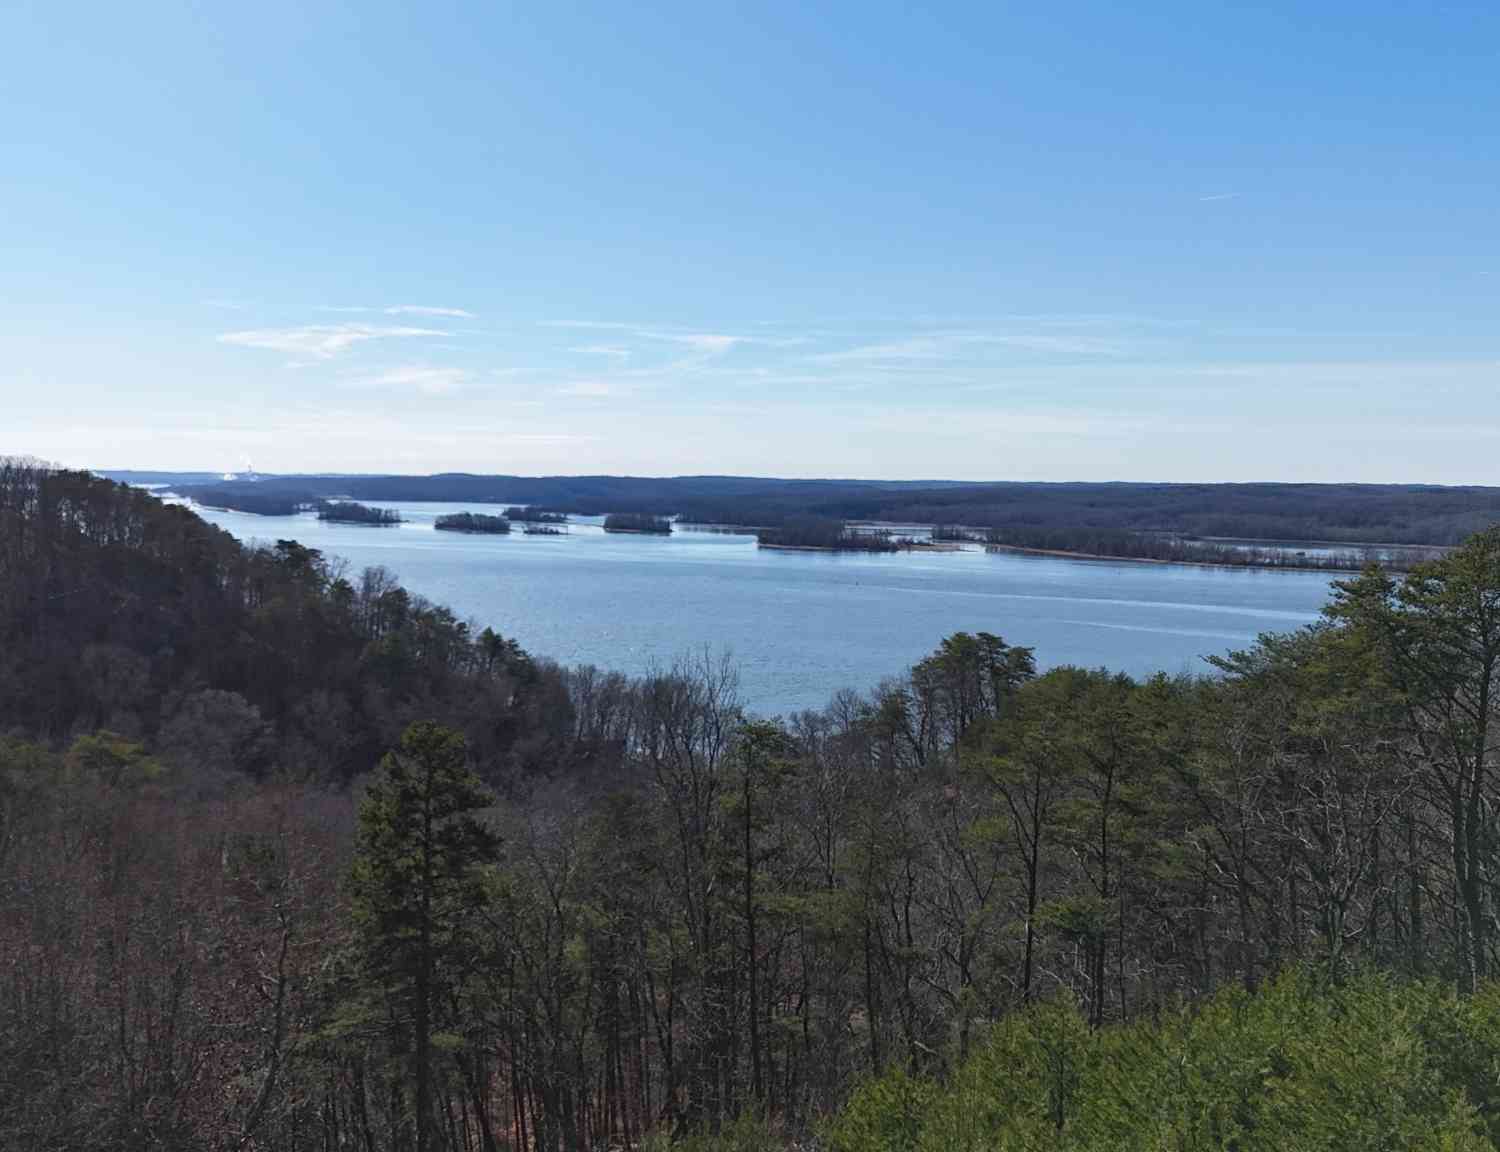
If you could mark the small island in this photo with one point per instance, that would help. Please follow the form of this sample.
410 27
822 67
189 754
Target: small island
349 512
473 522
534 515
820 534
544 530
638 522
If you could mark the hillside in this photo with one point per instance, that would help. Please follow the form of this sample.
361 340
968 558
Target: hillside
293 859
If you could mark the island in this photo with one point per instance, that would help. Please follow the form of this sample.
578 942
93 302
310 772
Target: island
822 534
349 512
473 522
639 522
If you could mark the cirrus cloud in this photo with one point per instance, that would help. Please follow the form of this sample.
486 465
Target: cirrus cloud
430 379
321 341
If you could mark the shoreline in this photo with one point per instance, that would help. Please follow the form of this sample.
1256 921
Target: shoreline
1060 553
938 546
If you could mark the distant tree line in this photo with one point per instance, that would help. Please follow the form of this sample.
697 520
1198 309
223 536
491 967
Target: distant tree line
1348 513
351 512
291 859
252 498
473 522
1160 546
638 522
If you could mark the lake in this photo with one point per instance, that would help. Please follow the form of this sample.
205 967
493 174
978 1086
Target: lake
801 625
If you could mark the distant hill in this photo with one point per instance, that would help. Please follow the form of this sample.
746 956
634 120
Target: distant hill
139 478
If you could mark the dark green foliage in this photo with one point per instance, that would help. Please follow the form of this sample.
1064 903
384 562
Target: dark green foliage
418 890
1371 1064
473 522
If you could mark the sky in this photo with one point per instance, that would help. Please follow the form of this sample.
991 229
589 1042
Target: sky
1000 241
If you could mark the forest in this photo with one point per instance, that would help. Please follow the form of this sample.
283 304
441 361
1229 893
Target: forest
291 858
1338 513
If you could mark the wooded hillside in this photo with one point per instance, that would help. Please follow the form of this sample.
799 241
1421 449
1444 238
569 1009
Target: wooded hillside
291 859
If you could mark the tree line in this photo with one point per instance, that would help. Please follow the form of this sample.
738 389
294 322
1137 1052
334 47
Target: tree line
1185 550
293 860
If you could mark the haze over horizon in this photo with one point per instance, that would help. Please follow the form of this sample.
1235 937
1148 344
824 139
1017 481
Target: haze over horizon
984 245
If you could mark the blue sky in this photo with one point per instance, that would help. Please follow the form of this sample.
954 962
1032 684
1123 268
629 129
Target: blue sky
1193 242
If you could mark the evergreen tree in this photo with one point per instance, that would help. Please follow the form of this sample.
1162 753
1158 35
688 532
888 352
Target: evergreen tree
419 889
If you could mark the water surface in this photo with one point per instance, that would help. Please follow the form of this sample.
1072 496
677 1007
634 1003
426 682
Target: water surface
801 625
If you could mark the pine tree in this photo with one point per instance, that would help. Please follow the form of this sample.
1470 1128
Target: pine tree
418 888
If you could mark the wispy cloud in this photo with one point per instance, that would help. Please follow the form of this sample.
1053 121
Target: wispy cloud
428 310
912 349
321 341
923 349
590 389
1215 196
399 310
708 342
610 351
430 379
714 342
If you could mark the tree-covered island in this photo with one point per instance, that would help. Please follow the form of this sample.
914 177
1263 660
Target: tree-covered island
473 522
350 512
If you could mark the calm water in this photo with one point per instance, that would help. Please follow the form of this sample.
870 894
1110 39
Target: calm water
799 624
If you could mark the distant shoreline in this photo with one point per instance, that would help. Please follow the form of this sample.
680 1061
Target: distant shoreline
1061 553
916 546
957 546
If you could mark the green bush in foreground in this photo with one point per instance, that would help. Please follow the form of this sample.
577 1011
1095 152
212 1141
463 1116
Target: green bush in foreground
1370 1065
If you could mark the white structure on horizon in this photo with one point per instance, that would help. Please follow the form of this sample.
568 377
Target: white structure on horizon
249 475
